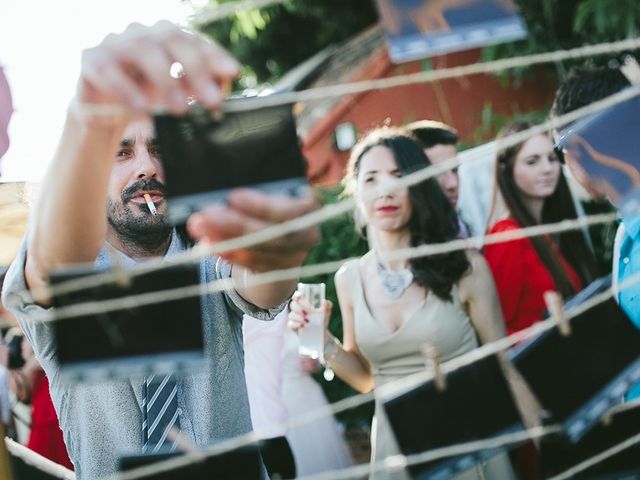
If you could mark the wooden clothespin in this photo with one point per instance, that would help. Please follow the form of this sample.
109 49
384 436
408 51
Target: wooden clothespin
631 70
432 360
607 418
555 306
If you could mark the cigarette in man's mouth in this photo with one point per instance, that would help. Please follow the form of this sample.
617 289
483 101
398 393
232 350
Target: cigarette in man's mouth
152 207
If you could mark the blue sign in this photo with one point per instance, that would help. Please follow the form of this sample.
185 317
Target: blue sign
422 28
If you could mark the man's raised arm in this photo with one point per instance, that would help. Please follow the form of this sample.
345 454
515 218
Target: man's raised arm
126 76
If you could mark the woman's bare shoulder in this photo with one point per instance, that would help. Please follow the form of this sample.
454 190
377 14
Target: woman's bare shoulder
478 273
477 263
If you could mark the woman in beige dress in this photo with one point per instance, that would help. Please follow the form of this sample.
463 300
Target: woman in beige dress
390 309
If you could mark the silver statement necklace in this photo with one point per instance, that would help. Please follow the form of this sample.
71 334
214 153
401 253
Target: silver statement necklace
394 282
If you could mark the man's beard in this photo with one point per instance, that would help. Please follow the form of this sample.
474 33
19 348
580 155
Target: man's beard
140 230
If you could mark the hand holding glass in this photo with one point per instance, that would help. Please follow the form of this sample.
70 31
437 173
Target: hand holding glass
311 337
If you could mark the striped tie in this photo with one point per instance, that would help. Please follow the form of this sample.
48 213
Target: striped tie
159 412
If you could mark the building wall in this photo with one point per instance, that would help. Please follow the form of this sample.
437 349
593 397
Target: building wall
458 102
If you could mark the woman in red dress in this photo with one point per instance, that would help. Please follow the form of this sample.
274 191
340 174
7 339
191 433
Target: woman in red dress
32 385
530 180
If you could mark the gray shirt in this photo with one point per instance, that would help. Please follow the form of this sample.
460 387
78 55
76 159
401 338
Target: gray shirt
102 421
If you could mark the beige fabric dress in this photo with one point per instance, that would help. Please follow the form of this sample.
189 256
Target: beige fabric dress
393 355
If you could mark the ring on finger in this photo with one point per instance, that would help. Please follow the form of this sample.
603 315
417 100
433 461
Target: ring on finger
176 70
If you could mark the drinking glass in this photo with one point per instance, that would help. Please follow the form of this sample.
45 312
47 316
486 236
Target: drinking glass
311 337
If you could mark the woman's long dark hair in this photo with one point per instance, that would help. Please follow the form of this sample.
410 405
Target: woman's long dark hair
559 206
433 219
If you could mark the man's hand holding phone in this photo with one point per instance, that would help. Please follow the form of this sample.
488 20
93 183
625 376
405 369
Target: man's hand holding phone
248 211
237 173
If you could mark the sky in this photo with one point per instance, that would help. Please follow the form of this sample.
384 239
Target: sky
40 46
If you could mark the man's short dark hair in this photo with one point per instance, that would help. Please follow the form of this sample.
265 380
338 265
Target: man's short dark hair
430 133
585 85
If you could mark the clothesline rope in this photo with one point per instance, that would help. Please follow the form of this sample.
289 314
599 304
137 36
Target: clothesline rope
388 464
401 386
393 388
394 462
368 398
357 87
96 307
397 462
400 461
327 212
598 458
493 66
318 93
38 461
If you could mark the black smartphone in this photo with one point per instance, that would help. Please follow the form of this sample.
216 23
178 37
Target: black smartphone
205 155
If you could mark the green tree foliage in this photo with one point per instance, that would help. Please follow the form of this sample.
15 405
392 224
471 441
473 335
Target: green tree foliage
277 38
605 20
562 24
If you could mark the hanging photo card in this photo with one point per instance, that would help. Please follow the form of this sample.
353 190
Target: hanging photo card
205 156
418 29
243 463
475 404
163 337
580 376
557 454
605 146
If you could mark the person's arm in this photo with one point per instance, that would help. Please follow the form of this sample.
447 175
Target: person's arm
130 73
346 359
249 211
68 223
478 294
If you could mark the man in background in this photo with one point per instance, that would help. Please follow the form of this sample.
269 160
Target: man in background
439 143
583 86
